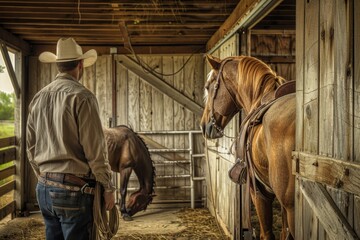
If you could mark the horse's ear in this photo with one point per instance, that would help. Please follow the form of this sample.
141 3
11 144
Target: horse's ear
214 61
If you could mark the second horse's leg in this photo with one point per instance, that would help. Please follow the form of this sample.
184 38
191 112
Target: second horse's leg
124 179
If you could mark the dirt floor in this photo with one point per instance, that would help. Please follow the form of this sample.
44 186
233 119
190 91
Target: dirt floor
177 224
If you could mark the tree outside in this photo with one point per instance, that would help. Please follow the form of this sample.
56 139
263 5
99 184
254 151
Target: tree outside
7 105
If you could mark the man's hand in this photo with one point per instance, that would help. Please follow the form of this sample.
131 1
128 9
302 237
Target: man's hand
109 198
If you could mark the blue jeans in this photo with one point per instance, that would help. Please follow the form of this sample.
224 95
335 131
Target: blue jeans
67 214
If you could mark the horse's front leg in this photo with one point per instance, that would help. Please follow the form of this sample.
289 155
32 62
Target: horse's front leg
264 211
124 180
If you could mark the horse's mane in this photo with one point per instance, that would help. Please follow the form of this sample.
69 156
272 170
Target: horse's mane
257 78
146 152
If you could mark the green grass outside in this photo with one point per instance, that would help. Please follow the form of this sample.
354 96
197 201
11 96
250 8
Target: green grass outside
7 129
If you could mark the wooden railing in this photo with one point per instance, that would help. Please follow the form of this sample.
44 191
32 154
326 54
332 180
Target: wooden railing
7 175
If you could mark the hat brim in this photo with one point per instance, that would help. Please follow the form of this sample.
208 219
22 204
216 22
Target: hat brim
89 58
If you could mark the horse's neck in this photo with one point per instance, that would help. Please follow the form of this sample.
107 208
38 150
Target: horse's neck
251 100
144 173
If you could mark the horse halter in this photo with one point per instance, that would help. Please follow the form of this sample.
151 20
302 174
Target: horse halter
216 87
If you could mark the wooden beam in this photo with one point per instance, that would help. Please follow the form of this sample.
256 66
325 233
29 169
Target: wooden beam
14 42
7 172
7 142
245 13
8 209
241 9
7 187
160 84
151 49
7 155
9 68
335 173
330 216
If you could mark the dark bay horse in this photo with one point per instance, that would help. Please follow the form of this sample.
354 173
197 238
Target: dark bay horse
127 152
240 82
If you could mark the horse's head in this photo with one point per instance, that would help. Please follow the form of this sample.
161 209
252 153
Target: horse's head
138 201
220 102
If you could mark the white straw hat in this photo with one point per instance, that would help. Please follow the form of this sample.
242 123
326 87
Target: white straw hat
68 50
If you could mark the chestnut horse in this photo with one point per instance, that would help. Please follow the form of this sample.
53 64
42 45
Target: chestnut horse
240 82
127 152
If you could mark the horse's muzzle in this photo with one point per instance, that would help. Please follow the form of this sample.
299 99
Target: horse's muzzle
209 131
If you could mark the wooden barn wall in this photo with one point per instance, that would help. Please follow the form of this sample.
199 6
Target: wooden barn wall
144 108
221 196
327 124
276 48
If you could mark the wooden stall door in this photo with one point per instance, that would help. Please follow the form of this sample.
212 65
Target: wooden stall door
326 160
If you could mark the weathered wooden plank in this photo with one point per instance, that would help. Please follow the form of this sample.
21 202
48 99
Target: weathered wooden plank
311 76
103 82
343 134
122 93
7 155
168 70
7 209
110 94
134 101
189 80
332 172
343 37
300 67
179 111
44 76
357 215
326 85
356 128
158 83
7 172
33 79
6 142
336 225
89 78
7 187
145 106
180 114
309 102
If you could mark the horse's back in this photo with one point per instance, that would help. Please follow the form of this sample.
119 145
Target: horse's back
281 116
119 141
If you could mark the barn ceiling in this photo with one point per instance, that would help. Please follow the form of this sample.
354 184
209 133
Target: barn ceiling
128 23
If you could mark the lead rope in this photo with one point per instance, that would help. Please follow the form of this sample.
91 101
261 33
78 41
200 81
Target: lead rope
105 225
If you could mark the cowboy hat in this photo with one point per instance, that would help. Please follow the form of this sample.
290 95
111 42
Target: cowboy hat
68 50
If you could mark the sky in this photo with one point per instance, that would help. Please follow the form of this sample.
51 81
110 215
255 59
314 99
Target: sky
5 82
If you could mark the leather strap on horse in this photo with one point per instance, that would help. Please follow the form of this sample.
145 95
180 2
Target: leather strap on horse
105 225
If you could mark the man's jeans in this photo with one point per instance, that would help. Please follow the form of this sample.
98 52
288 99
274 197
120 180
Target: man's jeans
67 214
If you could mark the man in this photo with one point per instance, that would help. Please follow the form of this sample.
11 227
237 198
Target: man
66 146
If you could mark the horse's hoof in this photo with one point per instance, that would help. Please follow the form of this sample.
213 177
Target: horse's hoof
127 217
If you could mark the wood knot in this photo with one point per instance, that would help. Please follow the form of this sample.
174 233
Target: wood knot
338 183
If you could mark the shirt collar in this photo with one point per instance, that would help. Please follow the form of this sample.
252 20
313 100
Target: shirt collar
66 76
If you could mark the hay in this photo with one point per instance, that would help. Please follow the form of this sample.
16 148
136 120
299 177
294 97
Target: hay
23 228
198 224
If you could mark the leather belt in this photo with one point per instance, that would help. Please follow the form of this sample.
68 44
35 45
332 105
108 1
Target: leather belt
58 180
